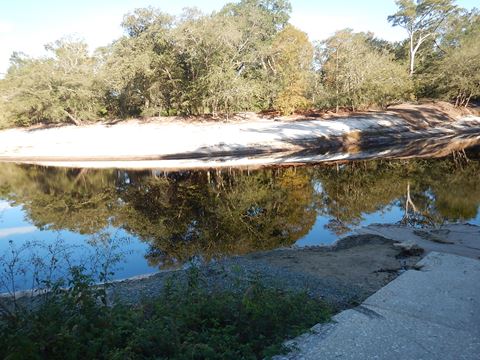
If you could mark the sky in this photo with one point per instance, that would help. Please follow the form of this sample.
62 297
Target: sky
27 25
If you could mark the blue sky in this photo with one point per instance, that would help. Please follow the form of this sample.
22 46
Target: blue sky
26 25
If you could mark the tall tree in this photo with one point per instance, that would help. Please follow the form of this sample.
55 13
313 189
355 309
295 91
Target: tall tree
448 66
58 88
140 70
213 64
292 64
421 19
358 75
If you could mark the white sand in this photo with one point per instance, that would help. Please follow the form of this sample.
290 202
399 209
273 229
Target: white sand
131 143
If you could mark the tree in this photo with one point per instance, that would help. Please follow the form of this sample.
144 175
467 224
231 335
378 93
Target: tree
458 74
258 22
140 70
357 75
195 63
421 19
58 88
4 121
292 64
212 62
244 57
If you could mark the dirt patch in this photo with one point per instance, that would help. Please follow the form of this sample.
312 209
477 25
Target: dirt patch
356 267
427 115
422 114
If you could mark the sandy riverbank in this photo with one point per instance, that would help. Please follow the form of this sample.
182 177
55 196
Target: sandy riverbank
250 142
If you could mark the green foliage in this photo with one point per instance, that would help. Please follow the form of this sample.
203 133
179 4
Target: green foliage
58 88
357 75
447 65
457 75
140 72
421 16
443 48
193 64
4 122
186 321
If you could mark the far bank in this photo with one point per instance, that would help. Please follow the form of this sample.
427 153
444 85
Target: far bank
252 140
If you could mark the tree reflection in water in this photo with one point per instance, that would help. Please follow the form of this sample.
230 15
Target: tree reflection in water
208 214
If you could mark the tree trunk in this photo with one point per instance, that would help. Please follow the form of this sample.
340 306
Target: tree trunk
412 56
72 118
336 83
468 100
457 100
463 97
413 50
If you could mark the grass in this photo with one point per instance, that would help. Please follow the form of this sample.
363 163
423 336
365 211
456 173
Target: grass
184 322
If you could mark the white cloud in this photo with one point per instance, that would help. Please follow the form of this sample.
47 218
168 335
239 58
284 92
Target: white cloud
4 205
17 231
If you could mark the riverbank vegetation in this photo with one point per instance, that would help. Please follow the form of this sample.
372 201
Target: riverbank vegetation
245 57
74 320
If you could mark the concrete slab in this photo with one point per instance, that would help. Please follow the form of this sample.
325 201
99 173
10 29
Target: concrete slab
432 313
386 335
445 291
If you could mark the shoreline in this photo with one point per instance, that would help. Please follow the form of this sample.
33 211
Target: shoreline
255 142
355 265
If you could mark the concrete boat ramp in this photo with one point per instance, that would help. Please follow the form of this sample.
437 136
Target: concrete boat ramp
430 312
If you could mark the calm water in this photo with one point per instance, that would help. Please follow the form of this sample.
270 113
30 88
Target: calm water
158 220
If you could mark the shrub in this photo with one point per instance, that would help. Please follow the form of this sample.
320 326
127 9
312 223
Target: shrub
185 321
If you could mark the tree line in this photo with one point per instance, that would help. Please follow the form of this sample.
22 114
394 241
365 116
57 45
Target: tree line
245 57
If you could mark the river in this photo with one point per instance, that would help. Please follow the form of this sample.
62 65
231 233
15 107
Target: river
145 221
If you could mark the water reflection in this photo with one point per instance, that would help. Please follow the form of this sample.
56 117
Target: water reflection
428 191
176 216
